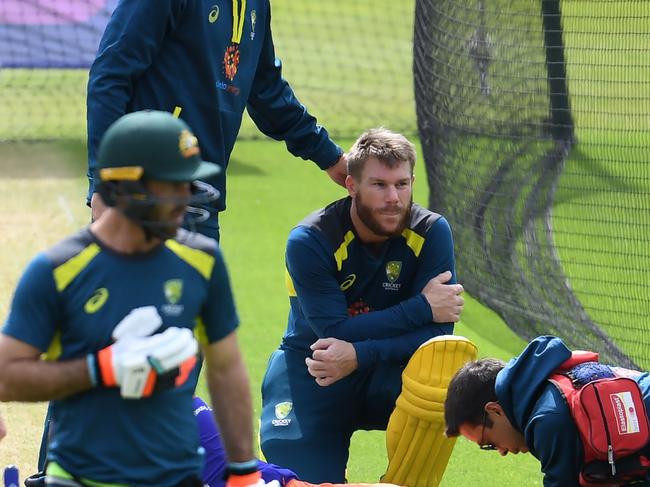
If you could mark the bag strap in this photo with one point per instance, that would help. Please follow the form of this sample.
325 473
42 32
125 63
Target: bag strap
578 357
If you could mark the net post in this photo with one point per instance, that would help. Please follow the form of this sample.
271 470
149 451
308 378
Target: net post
561 119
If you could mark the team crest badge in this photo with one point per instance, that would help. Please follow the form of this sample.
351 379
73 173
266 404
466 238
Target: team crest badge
393 269
282 410
253 22
188 144
173 290
231 61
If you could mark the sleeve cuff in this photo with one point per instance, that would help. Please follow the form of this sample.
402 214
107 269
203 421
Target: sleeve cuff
366 354
418 310
91 190
328 156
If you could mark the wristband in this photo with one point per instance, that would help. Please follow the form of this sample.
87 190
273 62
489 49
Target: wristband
91 363
243 468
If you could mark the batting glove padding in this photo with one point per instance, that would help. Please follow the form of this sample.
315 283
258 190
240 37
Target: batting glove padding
140 322
418 450
141 363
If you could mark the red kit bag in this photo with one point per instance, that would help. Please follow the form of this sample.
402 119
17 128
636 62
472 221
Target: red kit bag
611 418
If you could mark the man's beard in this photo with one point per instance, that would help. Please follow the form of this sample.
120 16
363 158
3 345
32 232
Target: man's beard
159 224
365 214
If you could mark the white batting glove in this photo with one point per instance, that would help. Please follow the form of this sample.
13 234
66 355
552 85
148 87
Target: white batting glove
141 363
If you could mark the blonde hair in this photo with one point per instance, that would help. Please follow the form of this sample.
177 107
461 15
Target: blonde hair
385 145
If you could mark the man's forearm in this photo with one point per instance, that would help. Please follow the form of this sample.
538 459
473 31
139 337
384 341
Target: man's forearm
231 401
39 380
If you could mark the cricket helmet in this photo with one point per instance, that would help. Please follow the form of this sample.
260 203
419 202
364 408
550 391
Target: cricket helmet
151 145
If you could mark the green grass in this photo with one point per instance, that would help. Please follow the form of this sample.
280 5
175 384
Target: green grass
269 191
337 55
601 216
357 74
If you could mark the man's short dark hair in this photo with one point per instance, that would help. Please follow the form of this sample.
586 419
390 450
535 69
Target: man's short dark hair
469 391
386 146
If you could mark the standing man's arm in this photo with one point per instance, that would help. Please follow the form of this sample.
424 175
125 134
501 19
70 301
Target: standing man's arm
277 112
230 395
129 45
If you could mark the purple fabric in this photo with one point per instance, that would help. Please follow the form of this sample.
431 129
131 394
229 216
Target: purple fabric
46 34
215 455
45 12
210 438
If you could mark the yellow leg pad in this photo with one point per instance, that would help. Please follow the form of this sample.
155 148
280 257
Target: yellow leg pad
418 450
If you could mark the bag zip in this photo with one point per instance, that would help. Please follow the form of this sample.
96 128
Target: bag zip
610 448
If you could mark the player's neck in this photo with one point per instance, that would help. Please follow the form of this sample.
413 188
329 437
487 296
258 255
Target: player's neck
122 235
364 233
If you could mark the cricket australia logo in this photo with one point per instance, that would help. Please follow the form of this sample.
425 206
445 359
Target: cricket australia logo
393 270
188 145
173 289
282 410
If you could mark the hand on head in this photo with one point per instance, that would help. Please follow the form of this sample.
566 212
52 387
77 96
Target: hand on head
339 171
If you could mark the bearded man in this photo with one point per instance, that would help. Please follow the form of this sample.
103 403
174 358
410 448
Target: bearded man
370 278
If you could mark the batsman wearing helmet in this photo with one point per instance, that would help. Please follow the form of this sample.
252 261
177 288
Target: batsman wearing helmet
370 279
108 324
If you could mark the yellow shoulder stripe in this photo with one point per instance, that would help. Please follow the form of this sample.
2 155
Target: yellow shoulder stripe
289 283
54 350
198 259
342 252
413 240
65 273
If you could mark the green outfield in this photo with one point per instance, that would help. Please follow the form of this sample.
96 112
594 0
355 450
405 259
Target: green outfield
357 75
269 191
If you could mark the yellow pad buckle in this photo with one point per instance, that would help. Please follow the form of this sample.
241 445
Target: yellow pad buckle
418 450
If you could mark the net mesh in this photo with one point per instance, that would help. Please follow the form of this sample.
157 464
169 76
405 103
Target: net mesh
534 119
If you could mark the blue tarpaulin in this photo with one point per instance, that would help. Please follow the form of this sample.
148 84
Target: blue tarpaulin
51 33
